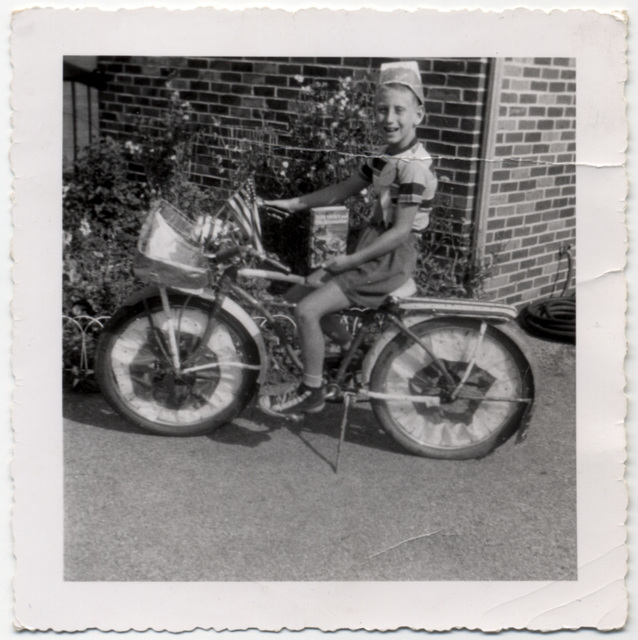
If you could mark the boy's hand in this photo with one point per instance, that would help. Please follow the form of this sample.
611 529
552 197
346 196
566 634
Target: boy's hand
339 264
283 205
317 278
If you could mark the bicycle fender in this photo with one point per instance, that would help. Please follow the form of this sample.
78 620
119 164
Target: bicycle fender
485 309
228 305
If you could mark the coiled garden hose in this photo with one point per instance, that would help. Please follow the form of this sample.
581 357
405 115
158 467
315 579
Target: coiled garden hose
553 318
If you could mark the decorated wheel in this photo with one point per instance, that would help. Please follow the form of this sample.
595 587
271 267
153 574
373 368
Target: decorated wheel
460 397
136 373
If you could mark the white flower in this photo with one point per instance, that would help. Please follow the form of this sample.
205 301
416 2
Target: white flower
299 78
85 227
364 192
132 148
285 164
68 236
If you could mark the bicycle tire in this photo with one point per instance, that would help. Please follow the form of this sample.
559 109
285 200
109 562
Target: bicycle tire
134 373
468 427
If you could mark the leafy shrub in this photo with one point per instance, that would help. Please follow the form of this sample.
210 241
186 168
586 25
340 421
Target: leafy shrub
104 205
165 146
446 266
102 212
101 215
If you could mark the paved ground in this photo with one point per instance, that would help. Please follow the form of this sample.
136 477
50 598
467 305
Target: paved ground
259 499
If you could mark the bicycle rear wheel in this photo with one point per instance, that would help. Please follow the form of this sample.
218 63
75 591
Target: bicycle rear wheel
492 401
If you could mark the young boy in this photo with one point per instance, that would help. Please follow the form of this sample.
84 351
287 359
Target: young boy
385 256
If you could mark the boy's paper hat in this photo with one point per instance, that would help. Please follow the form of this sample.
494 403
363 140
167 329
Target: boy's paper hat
406 73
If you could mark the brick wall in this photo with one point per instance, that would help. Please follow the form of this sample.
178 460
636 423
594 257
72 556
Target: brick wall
254 93
530 210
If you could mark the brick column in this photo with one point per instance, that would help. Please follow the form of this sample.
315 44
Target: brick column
529 211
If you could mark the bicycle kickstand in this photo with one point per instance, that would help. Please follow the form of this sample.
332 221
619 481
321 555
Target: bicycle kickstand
344 423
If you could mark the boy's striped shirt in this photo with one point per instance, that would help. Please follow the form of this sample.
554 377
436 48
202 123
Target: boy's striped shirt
404 178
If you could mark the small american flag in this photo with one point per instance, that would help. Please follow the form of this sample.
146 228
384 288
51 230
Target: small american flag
244 203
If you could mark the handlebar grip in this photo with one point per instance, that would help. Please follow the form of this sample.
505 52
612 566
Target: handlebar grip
276 211
277 265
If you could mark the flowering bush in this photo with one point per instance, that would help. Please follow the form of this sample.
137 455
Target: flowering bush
104 205
101 215
329 136
165 146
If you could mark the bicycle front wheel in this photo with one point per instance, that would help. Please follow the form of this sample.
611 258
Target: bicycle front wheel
136 374
488 389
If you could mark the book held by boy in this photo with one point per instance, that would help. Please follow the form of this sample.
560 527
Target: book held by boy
328 234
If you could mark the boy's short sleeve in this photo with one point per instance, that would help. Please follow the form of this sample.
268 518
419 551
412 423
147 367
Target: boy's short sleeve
416 182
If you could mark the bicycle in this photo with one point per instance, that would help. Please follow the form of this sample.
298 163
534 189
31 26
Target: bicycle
445 378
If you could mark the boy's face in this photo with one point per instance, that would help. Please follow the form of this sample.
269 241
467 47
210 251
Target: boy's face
398 113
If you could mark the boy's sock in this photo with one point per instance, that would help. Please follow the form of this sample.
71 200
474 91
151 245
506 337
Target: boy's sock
314 382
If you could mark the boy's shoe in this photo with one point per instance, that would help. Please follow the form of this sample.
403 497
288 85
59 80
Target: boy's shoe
303 399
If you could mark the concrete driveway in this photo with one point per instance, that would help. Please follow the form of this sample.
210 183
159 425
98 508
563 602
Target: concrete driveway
259 500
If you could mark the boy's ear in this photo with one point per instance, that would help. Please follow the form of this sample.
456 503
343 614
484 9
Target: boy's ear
420 112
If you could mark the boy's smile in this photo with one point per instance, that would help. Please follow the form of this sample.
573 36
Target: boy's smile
398 113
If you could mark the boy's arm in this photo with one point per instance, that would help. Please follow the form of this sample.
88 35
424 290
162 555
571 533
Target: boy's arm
386 242
334 194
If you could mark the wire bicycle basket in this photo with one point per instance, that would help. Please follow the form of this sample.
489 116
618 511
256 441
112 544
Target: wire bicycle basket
174 249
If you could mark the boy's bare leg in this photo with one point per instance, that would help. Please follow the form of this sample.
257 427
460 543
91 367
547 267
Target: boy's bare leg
310 310
330 324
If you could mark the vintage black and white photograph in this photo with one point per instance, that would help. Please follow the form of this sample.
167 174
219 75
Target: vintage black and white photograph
318 321
167 161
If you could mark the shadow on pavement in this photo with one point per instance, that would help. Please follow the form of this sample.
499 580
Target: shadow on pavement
92 409
362 429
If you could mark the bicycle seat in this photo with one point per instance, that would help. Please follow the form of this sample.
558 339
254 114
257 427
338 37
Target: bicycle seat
407 289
